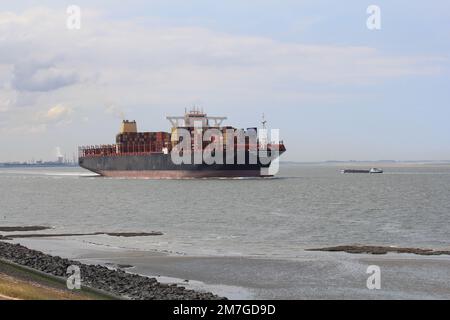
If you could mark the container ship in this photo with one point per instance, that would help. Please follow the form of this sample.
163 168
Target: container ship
149 154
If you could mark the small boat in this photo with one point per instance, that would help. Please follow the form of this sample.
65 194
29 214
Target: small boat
373 170
355 171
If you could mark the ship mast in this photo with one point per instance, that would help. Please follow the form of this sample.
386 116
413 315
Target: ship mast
263 133
264 121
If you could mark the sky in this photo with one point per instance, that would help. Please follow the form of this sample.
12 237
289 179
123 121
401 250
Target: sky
335 89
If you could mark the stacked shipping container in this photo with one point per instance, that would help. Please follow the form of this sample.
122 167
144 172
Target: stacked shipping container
159 142
142 142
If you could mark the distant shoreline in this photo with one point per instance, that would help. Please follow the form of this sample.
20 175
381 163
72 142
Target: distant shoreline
43 165
370 163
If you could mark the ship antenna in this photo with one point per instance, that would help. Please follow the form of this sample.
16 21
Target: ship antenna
263 121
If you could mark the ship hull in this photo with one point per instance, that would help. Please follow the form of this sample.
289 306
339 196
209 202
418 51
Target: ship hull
160 166
181 174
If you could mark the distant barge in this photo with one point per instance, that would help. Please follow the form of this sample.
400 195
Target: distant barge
373 170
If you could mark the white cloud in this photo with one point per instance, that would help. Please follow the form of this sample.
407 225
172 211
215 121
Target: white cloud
115 110
57 113
26 129
122 56
8 99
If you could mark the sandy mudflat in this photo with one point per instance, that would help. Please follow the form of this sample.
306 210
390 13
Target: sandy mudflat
358 249
22 228
312 275
50 235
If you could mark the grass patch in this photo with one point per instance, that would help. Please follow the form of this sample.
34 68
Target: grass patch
18 289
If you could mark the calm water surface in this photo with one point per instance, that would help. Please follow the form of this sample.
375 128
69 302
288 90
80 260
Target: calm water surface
306 206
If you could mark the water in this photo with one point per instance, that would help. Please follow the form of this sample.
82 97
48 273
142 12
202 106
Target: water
305 207
245 238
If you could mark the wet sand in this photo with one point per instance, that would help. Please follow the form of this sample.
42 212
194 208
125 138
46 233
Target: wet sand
49 235
312 275
22 228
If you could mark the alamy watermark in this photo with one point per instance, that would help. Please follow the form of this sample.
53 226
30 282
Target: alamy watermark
374 280
73 21
74 279
374 20
215 147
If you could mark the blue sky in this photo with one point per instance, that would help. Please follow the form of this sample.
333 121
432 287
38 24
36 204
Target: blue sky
335 89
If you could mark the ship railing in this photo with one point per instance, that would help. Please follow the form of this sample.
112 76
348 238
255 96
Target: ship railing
145 149
116 150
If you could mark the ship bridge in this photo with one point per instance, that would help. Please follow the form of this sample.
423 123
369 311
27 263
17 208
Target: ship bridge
195 118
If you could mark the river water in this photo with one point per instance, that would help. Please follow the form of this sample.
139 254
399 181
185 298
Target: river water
306 206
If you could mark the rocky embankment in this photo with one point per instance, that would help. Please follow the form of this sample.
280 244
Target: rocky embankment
116 282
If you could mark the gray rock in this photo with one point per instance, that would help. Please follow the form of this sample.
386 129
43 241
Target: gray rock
117 282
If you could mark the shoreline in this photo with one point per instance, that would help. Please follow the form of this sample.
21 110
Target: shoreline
312 275
115 282
49 235
148 263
